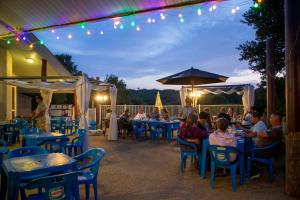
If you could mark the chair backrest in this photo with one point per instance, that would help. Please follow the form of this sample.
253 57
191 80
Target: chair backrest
221 154
90 159
55 145
57 187
182 143
26 151
81 132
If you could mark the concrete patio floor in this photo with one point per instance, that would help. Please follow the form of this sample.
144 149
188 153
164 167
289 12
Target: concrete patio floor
143 170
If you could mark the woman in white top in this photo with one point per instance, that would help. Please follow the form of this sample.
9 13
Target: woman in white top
141 114
222 138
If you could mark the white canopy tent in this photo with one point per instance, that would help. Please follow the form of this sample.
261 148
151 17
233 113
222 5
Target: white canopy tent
247 90
82 88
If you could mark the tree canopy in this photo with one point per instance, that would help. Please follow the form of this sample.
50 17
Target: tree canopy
267 19
67 62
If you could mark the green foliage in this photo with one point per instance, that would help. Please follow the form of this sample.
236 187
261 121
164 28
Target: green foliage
268 21
66 61
121 86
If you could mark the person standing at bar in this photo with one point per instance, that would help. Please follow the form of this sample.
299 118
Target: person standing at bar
39 114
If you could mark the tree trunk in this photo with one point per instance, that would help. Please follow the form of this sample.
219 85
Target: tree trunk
292 87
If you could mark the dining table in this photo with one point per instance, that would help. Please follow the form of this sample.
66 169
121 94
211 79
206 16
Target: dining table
16 169
36 138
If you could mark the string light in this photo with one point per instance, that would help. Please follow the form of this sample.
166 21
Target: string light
255 5
233 11
70 36
237 8
24 38
52 30
181 20
101 32
153 20
82 26
162 16
121 26
210 9
88 32
132 23
214 7
259 1
149 20
8 41
41 42
115 27
57 37
180 15
138 28
17 39
31 46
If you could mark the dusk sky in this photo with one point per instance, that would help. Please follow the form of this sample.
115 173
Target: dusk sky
207 42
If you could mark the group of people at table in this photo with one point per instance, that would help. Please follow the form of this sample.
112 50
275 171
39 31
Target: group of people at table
195 127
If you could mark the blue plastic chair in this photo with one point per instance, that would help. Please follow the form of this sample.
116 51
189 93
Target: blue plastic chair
139 128
56 145
26 151
93 125
3 150
220 157
11 133
57 187
156 131
76 143
188 149
266 161
88 163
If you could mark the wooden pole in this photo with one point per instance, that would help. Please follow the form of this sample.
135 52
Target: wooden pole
271 84
292 87
44 70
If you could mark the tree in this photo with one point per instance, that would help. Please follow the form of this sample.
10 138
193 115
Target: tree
121 86
66 61
268 21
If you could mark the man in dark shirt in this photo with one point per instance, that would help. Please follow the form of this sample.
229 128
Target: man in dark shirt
203 121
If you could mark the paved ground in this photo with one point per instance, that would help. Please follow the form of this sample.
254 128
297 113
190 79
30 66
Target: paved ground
143 170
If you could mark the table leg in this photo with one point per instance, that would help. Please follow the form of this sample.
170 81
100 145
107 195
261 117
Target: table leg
169 132
3 184
204 153
13 187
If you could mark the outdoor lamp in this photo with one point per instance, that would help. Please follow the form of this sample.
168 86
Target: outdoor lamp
101 98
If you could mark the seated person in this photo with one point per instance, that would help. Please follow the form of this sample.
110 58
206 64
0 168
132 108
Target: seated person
203 121
258 126
141 114
165 115
124 121
222 138
246 122
192 133
155 114
223 114
274 134
208 117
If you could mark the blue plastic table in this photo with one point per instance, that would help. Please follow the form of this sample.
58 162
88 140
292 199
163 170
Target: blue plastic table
35 139
16 168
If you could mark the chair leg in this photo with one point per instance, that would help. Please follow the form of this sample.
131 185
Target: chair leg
95 189
270 171
181 163
87 191
70 151
212 174
249 168
233 178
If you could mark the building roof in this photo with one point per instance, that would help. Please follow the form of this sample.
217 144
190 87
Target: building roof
30 15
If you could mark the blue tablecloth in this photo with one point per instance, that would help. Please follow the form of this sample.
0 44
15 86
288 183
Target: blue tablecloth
14 169
35 139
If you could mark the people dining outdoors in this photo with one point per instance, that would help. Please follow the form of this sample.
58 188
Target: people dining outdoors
155 114
141 115
203 121
124 121
164 115
223 138
246 122
206 110
223 114
39 114
192 133
187 109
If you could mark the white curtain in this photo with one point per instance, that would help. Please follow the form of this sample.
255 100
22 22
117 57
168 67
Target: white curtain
183 93
248 97
83 93
47 97
113 129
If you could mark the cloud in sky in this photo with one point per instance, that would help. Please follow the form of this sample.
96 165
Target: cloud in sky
207 42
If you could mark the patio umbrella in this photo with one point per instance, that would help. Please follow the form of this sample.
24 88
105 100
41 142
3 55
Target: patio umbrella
192 77
158 102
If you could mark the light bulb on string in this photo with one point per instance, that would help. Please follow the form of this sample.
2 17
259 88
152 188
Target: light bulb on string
237 8
181 20
101 32
17 39
8 42
149 20
88 32
52 30
138 28
214 7
210 9
117 22
162 16
132 23
57 37
233 11
153 20
41 42
180 15
255 5
24 38
82 26
199 12
259 1
121 26
115 27
31 46
70 36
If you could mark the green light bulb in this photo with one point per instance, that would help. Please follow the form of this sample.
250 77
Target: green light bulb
121 26
132 23
8 42
41 42
181 20
256 5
